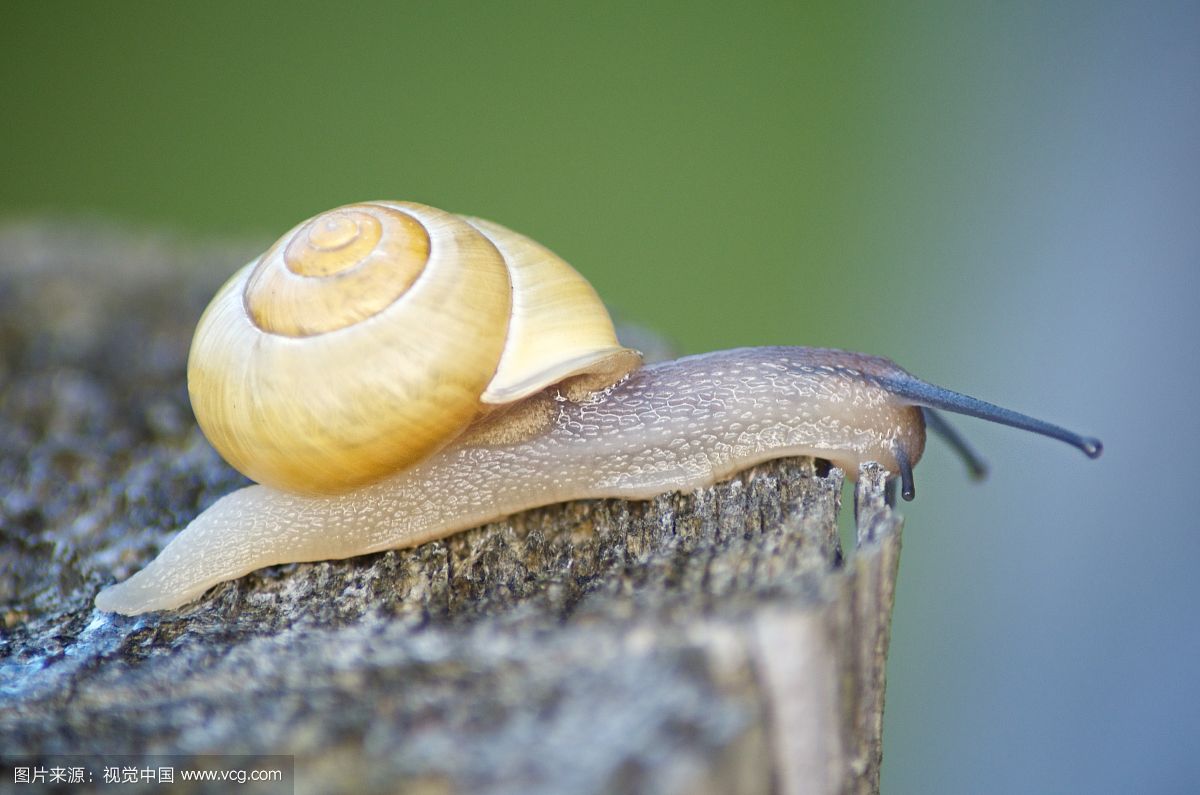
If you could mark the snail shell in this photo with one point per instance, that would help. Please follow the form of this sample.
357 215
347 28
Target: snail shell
371 335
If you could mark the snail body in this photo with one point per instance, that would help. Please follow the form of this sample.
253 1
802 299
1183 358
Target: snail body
561 419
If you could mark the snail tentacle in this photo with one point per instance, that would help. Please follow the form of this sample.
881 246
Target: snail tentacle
930 396
976 466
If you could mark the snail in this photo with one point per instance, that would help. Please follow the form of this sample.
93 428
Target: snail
390 374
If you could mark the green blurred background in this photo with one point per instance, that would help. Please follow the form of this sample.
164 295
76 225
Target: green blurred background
1002 197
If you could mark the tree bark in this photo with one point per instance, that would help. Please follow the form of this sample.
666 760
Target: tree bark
716 641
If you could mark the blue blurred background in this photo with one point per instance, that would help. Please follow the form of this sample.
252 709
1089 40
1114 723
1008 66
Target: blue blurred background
1005 198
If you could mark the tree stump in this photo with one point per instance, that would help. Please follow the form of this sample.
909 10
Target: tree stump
716 641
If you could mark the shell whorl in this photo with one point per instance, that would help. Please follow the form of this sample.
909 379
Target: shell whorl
371 335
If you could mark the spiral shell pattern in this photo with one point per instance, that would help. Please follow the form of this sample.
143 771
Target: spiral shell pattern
371 335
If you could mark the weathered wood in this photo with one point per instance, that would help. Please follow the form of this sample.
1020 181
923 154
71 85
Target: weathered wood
717 641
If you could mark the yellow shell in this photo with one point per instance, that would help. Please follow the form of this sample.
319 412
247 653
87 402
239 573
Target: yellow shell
371 335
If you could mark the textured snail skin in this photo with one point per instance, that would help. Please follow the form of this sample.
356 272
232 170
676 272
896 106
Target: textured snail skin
671 426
